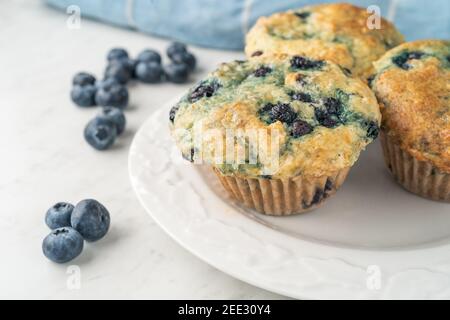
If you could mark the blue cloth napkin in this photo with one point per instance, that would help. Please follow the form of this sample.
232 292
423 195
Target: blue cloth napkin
224 23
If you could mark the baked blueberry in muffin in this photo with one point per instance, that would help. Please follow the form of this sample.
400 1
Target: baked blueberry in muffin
412 84
320 125
338 32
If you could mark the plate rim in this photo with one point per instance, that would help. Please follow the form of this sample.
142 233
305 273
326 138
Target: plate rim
243 277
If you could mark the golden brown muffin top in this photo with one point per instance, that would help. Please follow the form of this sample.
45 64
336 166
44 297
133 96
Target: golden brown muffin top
412 83
337 32
319 117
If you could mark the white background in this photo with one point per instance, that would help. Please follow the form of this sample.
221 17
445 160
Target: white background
44 159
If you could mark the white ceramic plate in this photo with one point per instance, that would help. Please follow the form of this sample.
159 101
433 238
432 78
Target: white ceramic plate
371 240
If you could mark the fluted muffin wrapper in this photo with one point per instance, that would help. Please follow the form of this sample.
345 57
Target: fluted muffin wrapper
282 197
419 177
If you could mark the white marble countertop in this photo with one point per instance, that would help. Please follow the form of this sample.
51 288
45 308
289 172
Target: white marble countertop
45 159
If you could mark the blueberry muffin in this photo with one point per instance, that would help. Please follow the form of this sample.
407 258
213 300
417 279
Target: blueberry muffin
412 84
337 32
298 125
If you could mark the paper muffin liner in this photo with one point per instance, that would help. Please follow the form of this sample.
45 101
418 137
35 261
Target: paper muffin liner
419 177
282 197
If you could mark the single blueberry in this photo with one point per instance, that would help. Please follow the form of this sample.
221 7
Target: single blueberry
117 54
149 72
262 71
100 133
112 95
204 90
186 58
116 116
302 63
84 96
91 219
282 112
257 53
175 47
149 55
63 245
177 72
59 215
301 128
120 70
301 96
83 78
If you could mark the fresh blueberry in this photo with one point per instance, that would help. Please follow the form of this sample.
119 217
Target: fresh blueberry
116 116
176 47
100 133
63 245
302 63
149 55
84 96
301 96
117 54
120 70
112 95
282 112
59 215
91 219
83 78
300 128
262 71
204 90
186 58
149 72
177 72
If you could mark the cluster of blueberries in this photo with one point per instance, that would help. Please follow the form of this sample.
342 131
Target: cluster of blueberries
89 220
111 93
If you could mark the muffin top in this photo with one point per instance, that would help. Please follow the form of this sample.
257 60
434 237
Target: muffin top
281 116
337 32
412 83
